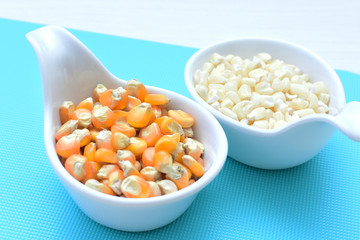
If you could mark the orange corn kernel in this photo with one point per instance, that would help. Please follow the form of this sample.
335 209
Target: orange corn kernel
105 170
84 136
87 103
154 189
124 128
103 139
66 129
103 117
193 165
137 146
67 108
157 99
98 186
92 169
129 169
114 98
150 174
136 89
68 145
140 116
135 187
170 126
160 120
120 116
94 132
84 117
125 155
89 151
162 161
201 161
183 118
119 141
132 102
166 143
182 181
105 155
151 134
148 156
193 148
98 90
179 153
157 110
114 181
76 166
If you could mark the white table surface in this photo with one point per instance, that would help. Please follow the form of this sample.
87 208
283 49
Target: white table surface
331 28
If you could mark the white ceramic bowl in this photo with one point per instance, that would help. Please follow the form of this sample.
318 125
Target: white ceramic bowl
297 142
70 72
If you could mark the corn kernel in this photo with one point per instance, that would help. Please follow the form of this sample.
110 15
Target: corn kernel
167 186
135 187
66 110
100 187
76 166
125 155
66 129
68 145
136 89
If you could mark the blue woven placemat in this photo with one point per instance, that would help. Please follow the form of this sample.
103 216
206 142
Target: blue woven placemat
317 200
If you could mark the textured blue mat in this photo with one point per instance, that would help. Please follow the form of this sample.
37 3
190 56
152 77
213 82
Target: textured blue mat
317 200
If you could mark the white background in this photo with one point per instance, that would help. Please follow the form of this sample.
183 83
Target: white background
330 28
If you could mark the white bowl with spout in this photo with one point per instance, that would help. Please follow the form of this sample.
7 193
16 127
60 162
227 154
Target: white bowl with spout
297 142
70 72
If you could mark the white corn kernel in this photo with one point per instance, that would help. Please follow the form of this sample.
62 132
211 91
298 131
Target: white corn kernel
304 112
216 105
208 67
324 97
257 114
217 78
228 113
202 91
264 56
226 103
320 87
216 59
300 90
244 92
280 106
299 103
264 88
278 116
231 86
244 121
279 123
264 124
249 81
259 74
271 123
233 96
321 108
267 101
313 100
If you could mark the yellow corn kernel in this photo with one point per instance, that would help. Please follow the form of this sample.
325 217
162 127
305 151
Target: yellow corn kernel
103 139
150 174
103 118
154 189
105 170
68 145
105 155
136 89
66 109
183 118
120 116
167 186
135 187
157 99
125 155
129 169
114 98
84 117
119 141
87 103
84 136
137 146
140 116
196 168
151 134
76 166
98 186
98 90
66 129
